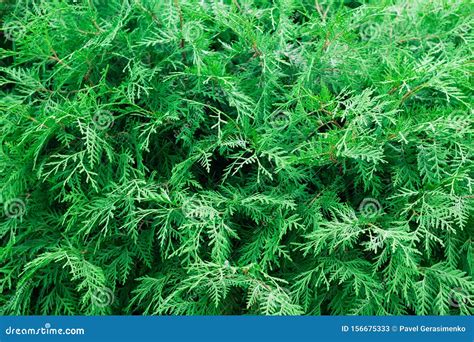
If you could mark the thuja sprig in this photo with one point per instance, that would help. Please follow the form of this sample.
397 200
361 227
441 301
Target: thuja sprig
236 157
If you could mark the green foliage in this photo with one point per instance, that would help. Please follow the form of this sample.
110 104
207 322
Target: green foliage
236 157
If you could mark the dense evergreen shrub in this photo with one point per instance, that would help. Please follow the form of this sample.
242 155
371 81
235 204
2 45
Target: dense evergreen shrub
236 157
